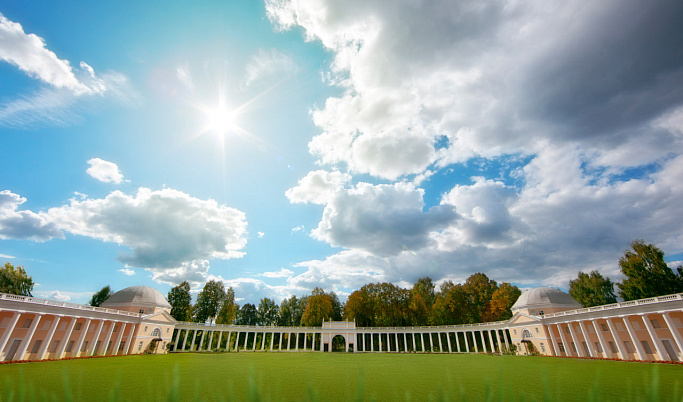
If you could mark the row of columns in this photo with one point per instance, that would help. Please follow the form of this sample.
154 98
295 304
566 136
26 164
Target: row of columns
619 343
28 338
497 341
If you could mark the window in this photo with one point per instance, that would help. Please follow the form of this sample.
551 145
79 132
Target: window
566 329
156 333
108 346
598 347
536 329
540 312
647 348
542 347
27 323
167 330
612 347
526 334
121 345
561 346
585 349
163 346
604 327
515 331
84 347
78 326
97 347
116 328
574 347
629 347
145 328
70 347
55 344
142 311
140 346
36 346
655 324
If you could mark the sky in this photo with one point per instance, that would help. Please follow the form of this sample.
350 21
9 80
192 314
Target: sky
281 145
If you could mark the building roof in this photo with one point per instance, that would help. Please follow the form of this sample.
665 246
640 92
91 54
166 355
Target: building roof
544 297
138 296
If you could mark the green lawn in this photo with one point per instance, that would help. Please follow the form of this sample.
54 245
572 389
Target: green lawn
338 376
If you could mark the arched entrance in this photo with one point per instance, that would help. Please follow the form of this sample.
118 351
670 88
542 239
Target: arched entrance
338 343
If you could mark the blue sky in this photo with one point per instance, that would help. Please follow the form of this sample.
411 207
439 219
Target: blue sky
283 145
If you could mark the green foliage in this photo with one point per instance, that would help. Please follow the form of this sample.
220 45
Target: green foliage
291 311
267 312
592 289
379 305
99 297
321 306
209 301
15 281
247 315
646 274
479 291
181 302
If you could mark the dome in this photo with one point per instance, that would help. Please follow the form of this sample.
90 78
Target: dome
544 298
138 296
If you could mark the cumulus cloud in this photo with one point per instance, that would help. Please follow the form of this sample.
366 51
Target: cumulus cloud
104 171
299 228
127 271
266 64
29 225
382 219
282 273
57 295
318 187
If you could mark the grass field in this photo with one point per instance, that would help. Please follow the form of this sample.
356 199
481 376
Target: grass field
317 376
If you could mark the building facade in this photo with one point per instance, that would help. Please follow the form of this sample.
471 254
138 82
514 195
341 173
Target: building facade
545 321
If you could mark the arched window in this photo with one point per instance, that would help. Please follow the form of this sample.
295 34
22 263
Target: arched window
526 334
156 333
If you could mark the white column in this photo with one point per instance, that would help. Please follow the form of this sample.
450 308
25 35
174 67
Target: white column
27 338
448 338
457 341
93 343
575 338
654 337
372 342
364 348
321 343
176 341
617 340
117 342
218 344
65 341
253 344
414 343
129 342
405 342
187 332
591 349
194 338
422 338
272 338
506 331
346 340
201 341
603 344
674 331
396 339
108 337
567 347
553 341
237 339
634 339
467 343
296 349
210 345
289 340
7 333
81 338
263 341
48 338
483 341
438 334
279 348
493 346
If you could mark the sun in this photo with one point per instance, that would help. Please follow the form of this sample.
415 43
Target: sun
220 120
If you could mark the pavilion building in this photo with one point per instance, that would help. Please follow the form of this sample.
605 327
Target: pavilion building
545 321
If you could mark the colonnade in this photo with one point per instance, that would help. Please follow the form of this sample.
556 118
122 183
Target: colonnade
204 338
645 336
62 336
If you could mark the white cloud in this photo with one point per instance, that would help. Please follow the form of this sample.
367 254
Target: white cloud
297 229
382 219
318 187
282 273
104 171
267 64
29 225
260 235
57 295
127 271
7 256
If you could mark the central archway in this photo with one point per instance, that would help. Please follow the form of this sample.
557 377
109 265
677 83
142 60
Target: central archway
338 343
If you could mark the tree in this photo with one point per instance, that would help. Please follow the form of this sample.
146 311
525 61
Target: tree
267 312
320 307
15 281
247 315
592 289
99 297
451 306
500 306
479 291
209 301
426 289
181 302
229 308
646 274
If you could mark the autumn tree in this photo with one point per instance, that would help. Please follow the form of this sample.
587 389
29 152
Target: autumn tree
15 280
267 312
320 306
451 306
479 291
646 274
592 289
229 308
502 299
209 301
100 296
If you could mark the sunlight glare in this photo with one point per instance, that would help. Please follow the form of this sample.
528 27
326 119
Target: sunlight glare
220 120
